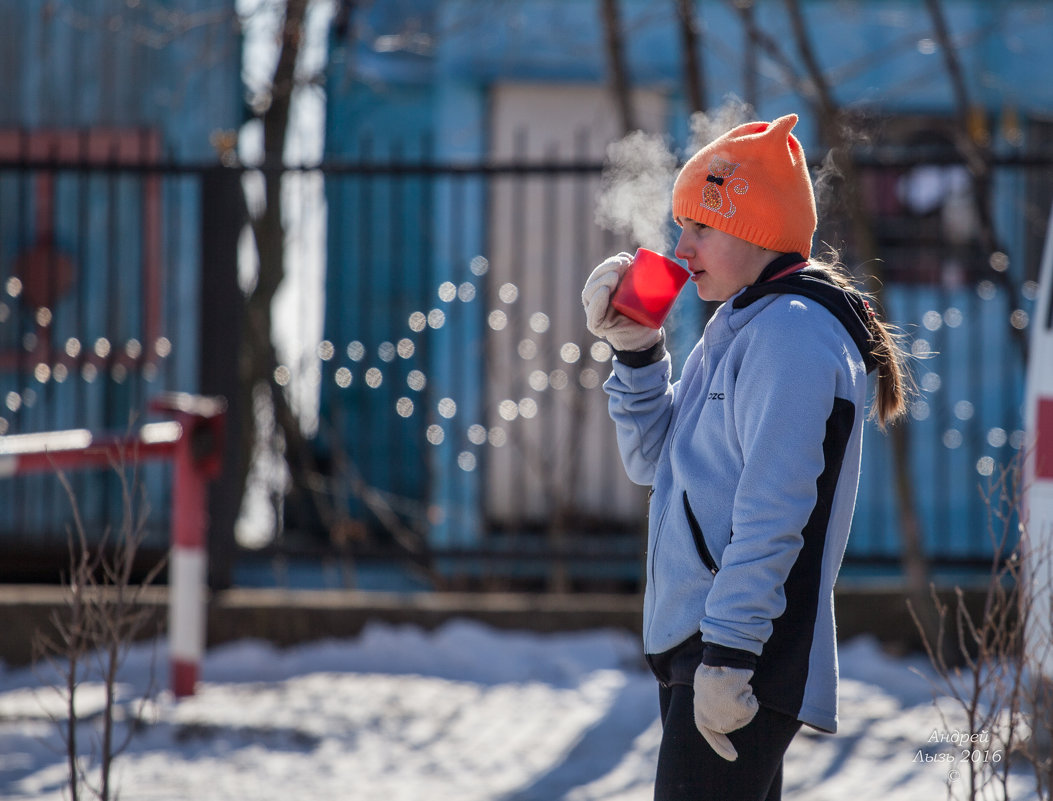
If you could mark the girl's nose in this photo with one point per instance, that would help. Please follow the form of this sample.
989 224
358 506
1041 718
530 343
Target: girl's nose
682 250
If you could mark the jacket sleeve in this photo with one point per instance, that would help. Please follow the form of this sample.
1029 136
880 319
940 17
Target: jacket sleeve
783 397
641 405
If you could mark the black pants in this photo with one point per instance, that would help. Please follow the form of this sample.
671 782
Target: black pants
689 769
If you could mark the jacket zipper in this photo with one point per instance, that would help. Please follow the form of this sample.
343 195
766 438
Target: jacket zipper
700 541
652 558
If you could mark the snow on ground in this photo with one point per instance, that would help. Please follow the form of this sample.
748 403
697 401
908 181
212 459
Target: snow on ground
464 713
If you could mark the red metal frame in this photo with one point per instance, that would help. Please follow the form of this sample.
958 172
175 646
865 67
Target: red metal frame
193 442
93 146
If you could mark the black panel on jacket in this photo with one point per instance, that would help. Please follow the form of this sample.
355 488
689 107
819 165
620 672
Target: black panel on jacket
782 668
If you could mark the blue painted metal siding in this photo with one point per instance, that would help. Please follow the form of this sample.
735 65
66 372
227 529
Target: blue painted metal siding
170 66
396 245
965 428
94 92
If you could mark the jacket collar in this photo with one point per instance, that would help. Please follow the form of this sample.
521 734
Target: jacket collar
847 305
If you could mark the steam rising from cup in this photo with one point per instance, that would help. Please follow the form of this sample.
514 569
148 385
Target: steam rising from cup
636 187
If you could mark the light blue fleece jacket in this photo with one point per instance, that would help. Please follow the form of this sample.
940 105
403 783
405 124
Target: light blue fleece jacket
759 442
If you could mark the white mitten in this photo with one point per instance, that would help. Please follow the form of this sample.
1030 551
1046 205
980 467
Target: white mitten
724 702
604 320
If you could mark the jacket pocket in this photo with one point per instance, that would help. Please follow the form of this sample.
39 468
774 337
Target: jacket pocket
700 541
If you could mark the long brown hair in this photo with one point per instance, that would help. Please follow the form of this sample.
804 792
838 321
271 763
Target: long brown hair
895 384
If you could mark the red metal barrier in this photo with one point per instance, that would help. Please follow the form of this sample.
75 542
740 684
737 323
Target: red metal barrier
193 442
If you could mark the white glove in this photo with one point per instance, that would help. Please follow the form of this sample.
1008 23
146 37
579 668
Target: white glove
604 320
724 702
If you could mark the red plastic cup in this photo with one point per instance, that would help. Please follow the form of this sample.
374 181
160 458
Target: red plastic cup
649 288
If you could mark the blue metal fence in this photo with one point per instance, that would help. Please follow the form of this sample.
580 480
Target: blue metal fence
99 312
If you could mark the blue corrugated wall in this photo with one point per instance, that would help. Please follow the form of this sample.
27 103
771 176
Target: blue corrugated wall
91 86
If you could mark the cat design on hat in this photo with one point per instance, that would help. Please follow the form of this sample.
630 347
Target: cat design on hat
712 196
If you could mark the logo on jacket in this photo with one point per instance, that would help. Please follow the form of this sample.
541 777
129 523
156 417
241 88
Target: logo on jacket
716 396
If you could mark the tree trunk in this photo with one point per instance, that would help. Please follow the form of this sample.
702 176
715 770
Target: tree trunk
749 61
619 77
694 76
258 359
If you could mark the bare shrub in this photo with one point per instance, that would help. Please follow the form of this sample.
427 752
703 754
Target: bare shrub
106 612
983 666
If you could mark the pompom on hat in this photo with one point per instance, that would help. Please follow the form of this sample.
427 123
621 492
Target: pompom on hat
752 183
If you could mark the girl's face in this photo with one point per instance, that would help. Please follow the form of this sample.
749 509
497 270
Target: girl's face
720 264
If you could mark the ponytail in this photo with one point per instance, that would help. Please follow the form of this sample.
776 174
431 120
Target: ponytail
895 386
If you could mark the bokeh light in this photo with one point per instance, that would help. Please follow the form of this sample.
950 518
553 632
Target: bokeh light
600 352
589 378
931 382
570 353
447 408
508 410
479 265
356 351
539 322
447 291
527 349
497 320
508 293
415 380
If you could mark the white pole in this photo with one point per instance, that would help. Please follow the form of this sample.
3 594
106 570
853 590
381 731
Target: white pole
1037 512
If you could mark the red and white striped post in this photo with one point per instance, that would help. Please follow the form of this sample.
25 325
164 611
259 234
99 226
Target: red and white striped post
193 441
196 460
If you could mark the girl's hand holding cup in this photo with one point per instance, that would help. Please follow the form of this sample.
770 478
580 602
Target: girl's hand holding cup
610 295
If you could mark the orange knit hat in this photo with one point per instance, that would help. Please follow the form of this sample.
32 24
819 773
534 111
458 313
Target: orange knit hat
752 183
